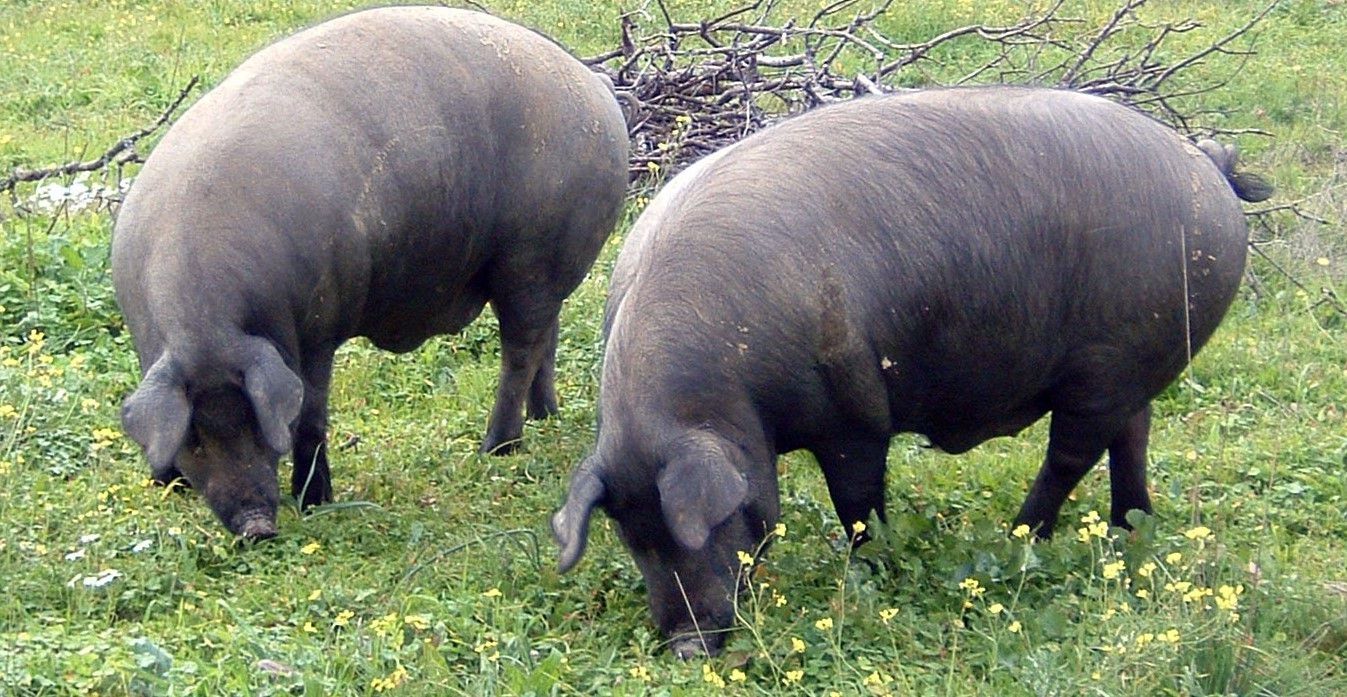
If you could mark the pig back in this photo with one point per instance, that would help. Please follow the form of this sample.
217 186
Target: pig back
964 255
383 161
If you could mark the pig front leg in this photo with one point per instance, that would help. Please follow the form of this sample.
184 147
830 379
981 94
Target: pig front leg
854 471
528 341
311 480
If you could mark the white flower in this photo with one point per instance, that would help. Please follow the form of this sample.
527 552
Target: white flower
103 578
75 555
142 546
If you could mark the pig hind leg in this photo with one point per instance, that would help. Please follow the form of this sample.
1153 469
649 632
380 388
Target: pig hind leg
1127 467
854 471
1075 444
542 401
528 340
311 480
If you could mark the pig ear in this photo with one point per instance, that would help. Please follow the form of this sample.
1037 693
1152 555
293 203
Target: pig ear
275 392
570 525
698 490
157 414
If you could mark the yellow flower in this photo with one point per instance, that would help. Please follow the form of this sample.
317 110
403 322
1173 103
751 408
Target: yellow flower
996 608
1090 518
397 677
1173 558
1196 594
308 627
1143 593
316 594
1021 531
640 673
779 530
384 625
796 644
418 622
1113 569
1170 636
973 587
778 599
794 676
492 593
1199 533
1144 639
711 676
1015 627
877 679
1145 570
745 559
1227 597
343 618
310 548
1178 586
7 411
857 528
887 614
824 624
737 675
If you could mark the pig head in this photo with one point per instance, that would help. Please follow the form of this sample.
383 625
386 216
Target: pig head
223 429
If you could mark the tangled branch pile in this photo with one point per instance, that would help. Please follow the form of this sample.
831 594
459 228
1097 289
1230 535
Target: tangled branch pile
693 87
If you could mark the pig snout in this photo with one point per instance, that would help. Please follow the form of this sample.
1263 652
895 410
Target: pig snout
255 524
688 646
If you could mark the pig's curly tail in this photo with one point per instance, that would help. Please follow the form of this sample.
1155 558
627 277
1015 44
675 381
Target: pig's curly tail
1248 186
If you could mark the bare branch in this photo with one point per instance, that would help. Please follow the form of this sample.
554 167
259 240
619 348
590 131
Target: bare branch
121 152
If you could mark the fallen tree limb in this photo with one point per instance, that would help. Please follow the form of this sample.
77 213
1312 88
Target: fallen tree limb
121 152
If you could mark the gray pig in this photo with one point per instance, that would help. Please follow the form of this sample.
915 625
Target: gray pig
385 174
954 263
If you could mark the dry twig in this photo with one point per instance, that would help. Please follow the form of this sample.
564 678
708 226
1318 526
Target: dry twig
120 153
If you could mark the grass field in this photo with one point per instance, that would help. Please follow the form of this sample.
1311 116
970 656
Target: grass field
435 573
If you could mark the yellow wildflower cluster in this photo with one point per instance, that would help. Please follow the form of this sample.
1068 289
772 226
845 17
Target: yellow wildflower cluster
973 587
1114 569
878 682
639 673
397 677
1021 531
487 649
386 625
1094 527
711 676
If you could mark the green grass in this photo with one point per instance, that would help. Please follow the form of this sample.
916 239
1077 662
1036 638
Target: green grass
435 571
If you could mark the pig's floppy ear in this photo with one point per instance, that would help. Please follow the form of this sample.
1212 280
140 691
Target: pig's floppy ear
157 414
570 525
698 489
275 392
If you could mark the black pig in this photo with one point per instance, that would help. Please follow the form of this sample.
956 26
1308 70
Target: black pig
955 263
385 174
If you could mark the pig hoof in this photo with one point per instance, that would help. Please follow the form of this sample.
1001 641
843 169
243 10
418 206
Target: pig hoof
504 446
171 478
257 527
